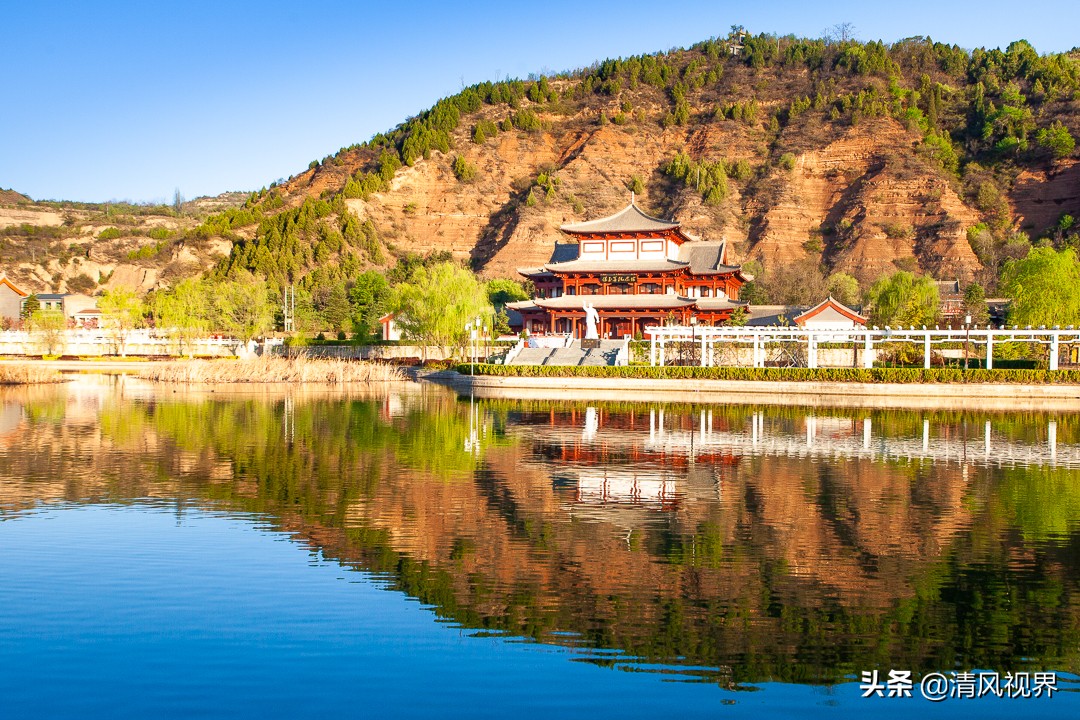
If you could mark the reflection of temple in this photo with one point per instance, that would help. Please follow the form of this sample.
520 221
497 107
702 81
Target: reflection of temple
664 439
636 270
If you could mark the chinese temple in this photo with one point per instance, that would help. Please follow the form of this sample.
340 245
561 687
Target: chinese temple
636 271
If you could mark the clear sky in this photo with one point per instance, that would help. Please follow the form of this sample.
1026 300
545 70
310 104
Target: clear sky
115 100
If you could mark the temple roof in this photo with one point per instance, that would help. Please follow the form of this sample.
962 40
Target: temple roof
646 301
564 252
706 257
616 266
615 302
629 219
715 303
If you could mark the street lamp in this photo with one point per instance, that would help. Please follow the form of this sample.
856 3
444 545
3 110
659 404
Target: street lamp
472 330
693 343
967 338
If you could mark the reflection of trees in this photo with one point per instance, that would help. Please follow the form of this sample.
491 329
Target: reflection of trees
799 571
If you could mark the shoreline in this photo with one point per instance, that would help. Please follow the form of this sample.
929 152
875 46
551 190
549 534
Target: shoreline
925 396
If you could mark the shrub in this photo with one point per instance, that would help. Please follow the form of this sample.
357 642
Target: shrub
787 161
110 233
1056 139
463 171
939 375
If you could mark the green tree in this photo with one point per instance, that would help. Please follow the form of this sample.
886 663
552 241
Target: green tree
844 288
1042 287
739 316
335 309
49 327
503 290
29 306
975 304
122 311
369 299
1056 139
464 171
433 306
242 306
183 313
903 299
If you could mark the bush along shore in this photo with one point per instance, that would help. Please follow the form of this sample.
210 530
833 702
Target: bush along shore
28 375
836 375
273 370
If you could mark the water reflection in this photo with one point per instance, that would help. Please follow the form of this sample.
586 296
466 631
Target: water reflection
740 544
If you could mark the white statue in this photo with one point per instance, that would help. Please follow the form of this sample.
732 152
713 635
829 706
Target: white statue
592 318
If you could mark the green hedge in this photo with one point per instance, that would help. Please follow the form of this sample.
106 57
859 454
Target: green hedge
859 375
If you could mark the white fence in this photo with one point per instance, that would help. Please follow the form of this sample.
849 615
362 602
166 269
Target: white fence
802 346
103 342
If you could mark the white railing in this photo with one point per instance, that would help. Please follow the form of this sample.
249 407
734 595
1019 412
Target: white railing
858 342
514 352
823 436
96 342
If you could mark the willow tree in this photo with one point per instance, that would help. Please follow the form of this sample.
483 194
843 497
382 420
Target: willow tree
242 306
183 312
433 306
1042 288
49 328
122 311
903 298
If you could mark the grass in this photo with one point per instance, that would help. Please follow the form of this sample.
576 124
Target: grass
28 375
273 370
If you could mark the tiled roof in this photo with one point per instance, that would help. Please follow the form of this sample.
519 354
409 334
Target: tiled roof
837 306
705 257
629 219
533 271
718 304
564 252
615 302
605 266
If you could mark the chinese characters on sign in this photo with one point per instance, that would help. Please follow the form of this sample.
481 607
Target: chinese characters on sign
617 279
959 685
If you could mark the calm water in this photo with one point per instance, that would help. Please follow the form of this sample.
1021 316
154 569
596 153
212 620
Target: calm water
177 554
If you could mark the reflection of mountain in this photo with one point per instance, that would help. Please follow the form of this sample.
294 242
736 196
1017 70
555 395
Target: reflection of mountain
767 566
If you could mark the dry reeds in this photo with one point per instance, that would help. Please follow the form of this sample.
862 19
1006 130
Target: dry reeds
273 370
28 375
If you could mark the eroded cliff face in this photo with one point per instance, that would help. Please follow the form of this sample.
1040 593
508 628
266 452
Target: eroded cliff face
859 199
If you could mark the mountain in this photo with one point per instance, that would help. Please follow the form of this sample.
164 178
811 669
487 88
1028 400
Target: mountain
848 156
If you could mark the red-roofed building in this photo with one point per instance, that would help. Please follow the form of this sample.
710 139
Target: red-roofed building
635 270
830 314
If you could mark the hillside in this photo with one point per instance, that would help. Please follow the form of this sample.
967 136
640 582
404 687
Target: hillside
87 247
860 157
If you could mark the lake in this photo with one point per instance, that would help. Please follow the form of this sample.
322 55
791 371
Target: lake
405 553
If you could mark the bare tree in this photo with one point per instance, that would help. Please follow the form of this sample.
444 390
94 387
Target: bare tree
839 33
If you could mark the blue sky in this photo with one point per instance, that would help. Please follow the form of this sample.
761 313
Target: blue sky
120 100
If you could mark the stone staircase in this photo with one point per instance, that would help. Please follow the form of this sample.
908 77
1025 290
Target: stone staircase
606 354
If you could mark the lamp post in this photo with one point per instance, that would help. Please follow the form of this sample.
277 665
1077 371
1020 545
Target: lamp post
693 345
967 338
472 331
